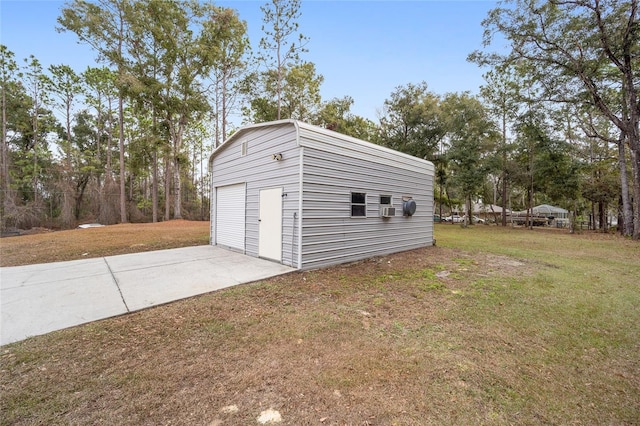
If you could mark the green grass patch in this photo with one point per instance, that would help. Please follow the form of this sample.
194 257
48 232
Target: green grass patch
492 326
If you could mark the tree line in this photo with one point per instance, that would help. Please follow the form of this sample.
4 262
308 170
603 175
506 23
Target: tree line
555 122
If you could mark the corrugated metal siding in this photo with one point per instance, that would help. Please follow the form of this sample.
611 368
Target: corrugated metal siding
260 171
332 166
332 170
329 142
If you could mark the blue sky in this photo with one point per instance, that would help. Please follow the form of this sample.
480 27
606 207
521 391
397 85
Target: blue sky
364 49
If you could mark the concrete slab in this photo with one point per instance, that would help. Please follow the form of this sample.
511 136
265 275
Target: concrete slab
37 299
154 278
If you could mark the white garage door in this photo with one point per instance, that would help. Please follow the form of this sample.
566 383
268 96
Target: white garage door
230 216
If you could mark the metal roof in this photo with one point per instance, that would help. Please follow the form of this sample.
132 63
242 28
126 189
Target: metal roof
345 141
545 209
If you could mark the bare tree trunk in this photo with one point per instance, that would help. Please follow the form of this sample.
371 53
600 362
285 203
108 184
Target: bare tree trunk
5 150
5 143
202 185
68 206
177 191
105 196
154 171
504 167
627 209
630 133
35 155
440 204
504 199
224 106
527 217
531 196
4 184
177 179
154 186
167 188
123 200
635 172
98 140
131 181
123 194
279 81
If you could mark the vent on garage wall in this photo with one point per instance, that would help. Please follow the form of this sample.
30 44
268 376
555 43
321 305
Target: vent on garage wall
408 206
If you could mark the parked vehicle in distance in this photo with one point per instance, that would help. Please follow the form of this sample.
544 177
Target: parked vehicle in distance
453 218
474 219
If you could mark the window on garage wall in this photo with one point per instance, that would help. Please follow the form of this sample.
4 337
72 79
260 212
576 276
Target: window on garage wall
385 200
358 204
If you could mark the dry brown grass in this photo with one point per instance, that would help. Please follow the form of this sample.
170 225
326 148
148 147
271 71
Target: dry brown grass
43 246
431 336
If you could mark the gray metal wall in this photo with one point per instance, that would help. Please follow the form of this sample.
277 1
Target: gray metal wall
258 169
332 169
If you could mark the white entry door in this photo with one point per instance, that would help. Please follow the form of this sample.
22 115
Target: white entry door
270 225
230 216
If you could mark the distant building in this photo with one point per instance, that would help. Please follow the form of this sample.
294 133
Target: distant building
488 212
543 214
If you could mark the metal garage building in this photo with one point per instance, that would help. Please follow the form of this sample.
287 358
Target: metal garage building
309 197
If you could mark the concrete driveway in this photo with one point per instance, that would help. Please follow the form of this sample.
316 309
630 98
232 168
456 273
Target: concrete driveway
37 299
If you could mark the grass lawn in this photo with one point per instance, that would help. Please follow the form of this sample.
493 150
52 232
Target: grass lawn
491 326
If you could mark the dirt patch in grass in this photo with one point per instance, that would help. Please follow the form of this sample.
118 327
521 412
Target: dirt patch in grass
44 246
429 336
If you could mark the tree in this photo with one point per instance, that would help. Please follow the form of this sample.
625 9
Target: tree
280 26
82 160
501 96
64 86
35 84
336 115
103 26
27 125
301 93
547 168
299 97
597 128
531 136
8 81
149 24
412 121
558 172
576 50
184 33
231 44
101 94
601 185
472 137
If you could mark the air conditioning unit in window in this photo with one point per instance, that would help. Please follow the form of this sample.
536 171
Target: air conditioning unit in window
387 211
